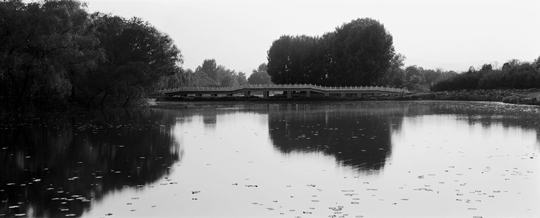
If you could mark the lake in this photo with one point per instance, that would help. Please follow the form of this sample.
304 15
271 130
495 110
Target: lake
307 159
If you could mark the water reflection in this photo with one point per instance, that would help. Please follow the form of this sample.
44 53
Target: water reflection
483 113
357 135
60 165
266 160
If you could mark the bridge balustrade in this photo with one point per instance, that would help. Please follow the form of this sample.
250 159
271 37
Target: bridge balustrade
282 86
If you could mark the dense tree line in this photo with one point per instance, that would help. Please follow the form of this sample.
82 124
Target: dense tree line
356 53
514 74
208 74
54 53
411 75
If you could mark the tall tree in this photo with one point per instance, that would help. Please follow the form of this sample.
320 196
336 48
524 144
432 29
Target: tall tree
357 53
209 67
40 42
136 56
363 50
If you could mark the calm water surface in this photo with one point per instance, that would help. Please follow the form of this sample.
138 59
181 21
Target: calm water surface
338 159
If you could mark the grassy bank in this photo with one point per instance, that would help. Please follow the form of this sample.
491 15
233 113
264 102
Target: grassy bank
512 96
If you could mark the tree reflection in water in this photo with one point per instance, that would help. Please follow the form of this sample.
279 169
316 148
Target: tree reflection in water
357 135
60 165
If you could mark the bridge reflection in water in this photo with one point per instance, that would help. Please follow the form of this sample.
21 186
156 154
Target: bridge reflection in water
267 89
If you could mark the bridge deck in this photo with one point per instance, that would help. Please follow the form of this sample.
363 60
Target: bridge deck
247 89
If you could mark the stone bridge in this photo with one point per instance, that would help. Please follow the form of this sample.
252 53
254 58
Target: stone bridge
306 90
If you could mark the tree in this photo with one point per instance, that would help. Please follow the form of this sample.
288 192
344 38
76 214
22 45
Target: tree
363 49
357 53
136 56
41 42
536 63
53 51
413 74
396 74
260 76
209 67
241 79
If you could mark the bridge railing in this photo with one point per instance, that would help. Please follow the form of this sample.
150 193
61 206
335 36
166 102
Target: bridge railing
284 86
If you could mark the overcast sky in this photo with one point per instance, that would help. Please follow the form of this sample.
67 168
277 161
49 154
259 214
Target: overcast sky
448 34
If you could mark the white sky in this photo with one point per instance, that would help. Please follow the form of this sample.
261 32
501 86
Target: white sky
450 34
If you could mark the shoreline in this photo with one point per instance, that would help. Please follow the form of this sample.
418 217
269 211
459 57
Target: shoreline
510 96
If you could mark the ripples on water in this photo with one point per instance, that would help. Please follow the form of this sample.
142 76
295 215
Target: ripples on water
351 159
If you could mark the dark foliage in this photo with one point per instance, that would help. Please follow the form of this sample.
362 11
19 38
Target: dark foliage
513 75
357 53
54 54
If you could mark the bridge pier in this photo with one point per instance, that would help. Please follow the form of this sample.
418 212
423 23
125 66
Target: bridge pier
246 94
265 94
326 94
343 94
213 95
229 95
308 94
289 94
359 94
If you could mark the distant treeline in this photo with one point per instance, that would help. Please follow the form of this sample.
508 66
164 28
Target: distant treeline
512 75
209 74
55 54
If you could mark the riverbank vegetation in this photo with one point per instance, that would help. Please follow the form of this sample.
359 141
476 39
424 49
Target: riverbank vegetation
55 55
514 74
